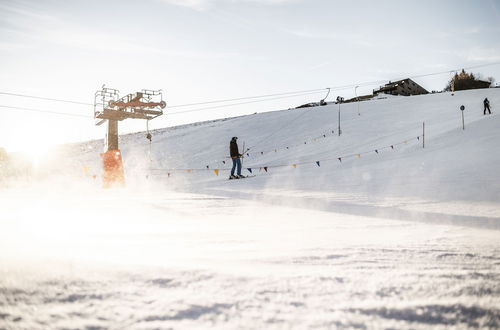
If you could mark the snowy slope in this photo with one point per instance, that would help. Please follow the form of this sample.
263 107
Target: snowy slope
382 123
455 170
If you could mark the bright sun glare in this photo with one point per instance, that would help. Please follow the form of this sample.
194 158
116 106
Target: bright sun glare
33 145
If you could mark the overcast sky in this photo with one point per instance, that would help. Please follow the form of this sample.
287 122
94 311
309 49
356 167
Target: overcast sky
200 50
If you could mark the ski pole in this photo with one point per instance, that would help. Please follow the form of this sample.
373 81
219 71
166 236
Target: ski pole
243 154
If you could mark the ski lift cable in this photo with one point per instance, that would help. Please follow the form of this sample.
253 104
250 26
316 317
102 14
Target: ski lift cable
46 111
246 98
45 98
240 103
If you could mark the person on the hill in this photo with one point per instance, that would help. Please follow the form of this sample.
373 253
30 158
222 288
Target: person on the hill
235 156
486 103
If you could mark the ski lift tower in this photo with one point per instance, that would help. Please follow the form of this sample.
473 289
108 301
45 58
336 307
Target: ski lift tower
108 106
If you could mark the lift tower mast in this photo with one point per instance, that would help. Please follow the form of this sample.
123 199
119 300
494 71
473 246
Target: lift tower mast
108 106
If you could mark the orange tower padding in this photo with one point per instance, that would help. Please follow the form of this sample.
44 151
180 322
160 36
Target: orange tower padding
112 166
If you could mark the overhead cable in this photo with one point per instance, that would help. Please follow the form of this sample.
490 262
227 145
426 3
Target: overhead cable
240 103
46 111
248 97
45 98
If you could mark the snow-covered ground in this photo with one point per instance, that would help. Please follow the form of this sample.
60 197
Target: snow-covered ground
129 260
403 238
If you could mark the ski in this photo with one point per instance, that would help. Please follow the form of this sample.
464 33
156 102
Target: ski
242 177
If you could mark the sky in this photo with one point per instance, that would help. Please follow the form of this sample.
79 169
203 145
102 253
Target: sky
203 50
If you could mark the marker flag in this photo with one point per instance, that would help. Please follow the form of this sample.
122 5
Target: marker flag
317 163
249 170
216 171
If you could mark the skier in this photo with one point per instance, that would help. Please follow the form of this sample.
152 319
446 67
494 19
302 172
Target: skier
486 103
235 156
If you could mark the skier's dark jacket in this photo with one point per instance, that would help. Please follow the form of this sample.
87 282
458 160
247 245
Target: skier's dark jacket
233 149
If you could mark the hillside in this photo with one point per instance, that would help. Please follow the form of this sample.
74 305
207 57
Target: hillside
453 174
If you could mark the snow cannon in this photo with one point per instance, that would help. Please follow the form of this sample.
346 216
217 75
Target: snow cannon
108 106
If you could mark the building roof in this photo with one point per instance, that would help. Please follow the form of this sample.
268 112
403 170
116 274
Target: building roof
390 86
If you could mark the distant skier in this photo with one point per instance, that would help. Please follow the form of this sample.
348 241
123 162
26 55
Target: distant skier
235 156
486 103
